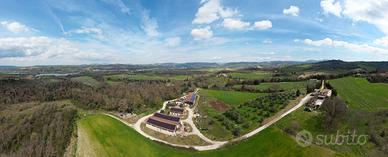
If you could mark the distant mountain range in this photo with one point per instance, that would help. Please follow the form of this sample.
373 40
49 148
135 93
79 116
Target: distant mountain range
311 65
196 65
6 66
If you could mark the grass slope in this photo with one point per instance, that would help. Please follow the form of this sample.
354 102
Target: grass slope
109 137
233 98
360 94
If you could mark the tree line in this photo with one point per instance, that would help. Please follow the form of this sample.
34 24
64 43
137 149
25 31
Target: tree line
127 97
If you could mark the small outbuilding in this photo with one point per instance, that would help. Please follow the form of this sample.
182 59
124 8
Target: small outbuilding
175 111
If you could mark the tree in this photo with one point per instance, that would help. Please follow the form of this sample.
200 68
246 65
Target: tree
236 131
335 110
297 93
293 128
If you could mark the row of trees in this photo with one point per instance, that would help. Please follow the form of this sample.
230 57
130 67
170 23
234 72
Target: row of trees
238 119
378 78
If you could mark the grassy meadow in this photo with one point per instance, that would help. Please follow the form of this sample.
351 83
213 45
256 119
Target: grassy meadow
360 94
105 136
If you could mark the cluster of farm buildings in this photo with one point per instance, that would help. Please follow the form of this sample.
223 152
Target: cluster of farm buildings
319 96
170 122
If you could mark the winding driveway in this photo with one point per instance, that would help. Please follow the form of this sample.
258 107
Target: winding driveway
213 144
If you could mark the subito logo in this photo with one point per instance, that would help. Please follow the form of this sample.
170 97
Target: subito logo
304 138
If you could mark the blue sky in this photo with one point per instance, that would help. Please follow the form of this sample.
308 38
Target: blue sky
154 31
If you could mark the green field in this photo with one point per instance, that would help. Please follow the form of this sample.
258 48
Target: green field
286 86
251 75
86 80
312 122
226 99
360 94
120 77
233 98
107 136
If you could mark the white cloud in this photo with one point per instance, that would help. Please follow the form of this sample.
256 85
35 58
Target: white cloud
149 25
262 25
92 31
208 12
41 47
87 30
202 33
173 41
331 7
371 11
235 24
328 42
382 41
21 47
14 26
120 4
212 10
323 42
227 12
267 41
292 10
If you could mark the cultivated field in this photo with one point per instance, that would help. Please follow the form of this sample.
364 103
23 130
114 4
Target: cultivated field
121 77
251 75
233 98
360 94
86 80
109 137
285 86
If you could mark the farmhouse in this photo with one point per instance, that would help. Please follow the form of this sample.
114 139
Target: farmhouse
318 103
175 111
163 123
190 98
319 98
325 93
